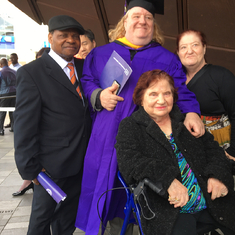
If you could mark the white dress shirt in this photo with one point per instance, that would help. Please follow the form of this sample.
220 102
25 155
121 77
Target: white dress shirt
62 63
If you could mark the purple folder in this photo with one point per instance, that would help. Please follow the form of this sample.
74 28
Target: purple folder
51 187
115 69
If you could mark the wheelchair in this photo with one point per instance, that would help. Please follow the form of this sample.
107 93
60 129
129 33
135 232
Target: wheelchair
132 207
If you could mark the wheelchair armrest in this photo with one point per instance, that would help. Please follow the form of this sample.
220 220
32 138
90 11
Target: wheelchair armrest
157 188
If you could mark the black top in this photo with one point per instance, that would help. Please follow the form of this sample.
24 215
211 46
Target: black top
215 91
51 124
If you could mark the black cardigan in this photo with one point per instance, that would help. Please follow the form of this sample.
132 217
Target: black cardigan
214 91
144 151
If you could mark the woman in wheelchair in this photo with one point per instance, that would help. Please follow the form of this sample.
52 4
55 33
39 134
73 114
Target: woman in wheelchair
154 143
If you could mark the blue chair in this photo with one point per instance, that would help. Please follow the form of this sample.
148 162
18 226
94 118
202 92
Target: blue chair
132 206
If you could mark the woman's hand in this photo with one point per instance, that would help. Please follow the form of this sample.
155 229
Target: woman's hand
229 156
216 188
108 99
178 194
194 124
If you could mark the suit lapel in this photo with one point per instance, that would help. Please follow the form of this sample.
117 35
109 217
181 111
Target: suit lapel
79 66
156 133
55 72
79 69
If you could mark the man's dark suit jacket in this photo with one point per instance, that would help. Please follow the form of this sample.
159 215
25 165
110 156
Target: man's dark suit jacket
52 127
7 81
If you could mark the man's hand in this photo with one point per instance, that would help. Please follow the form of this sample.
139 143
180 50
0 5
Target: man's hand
108 99
194 124
178 194
216 188
35 181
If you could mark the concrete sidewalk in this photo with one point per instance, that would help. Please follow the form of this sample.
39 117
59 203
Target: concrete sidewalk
14 211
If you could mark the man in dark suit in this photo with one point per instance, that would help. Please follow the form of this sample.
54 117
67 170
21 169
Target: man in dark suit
52 126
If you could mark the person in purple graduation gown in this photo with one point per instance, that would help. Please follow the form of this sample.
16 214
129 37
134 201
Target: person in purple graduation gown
137 39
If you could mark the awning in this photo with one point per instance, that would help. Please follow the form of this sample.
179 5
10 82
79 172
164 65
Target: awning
215 18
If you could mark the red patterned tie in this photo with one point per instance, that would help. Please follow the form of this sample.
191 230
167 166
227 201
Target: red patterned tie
73 78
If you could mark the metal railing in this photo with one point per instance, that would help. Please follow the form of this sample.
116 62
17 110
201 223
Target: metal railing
7 109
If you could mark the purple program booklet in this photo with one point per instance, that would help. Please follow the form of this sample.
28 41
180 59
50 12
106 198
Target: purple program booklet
51 187
116 71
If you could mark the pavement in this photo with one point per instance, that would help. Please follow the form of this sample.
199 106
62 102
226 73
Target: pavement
14 211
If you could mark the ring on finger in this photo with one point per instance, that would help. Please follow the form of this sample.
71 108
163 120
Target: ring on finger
222 194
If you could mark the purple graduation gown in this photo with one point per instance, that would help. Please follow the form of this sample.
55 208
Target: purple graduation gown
100 166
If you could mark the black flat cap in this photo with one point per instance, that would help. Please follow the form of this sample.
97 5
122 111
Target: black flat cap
63 22
153 6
